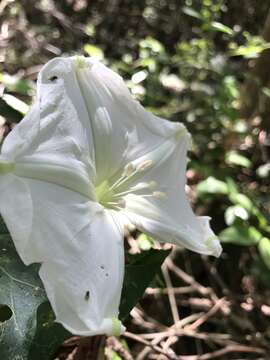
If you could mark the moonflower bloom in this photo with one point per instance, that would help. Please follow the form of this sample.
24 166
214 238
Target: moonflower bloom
84 164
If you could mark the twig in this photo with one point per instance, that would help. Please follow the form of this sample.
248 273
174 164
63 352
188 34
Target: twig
118 347
171 295
147 343
175 290
207 315
226 350
188 279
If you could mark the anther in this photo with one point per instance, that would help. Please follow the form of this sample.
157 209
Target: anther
152 184
129 169
121 203
144 165
159 195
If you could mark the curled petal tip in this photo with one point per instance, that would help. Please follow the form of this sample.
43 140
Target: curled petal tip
117 327
213 244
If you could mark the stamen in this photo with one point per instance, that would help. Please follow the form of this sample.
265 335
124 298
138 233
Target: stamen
125 177
144 165
138 187
152 184
122 203
128 170
117 183
159 195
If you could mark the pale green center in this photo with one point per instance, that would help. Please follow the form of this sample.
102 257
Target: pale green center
113 195
104 194
6 167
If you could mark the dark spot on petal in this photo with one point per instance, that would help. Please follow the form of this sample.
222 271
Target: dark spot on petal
53 78
102 267
107 274
87 295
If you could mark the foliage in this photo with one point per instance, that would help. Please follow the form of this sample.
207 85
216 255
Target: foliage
192 72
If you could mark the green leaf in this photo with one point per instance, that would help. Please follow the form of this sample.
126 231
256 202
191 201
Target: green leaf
94 51
191 12
251 51
111 354
22 292
234 158
266 91
263 171
242 200
16 103
145 242
212 186
233 212
261 271
264 250
139 272
232 187
49 335
14 83
222 28
240 234
152 44
8 112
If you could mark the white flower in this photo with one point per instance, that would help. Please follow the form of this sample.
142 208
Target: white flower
86 162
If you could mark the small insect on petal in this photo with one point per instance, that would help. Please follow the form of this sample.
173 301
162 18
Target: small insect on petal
87 295
53 78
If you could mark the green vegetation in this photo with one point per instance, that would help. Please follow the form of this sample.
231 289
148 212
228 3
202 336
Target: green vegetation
198 62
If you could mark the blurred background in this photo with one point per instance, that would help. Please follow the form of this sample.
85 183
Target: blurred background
207 64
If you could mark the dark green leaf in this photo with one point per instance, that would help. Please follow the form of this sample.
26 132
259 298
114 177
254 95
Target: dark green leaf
264 249
49 335
139 272
22 293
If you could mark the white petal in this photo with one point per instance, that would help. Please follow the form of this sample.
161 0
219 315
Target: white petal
54 142
122 128
86 296
79 246
170 218
16 210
